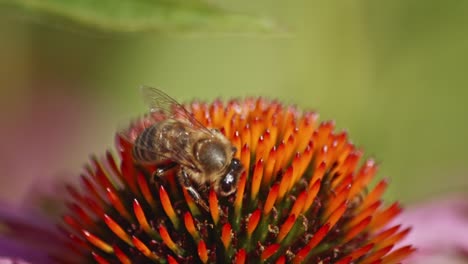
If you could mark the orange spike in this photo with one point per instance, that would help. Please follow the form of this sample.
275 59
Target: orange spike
241 256
324 131
217 113
394 239
117 229
355 230
337 201
289 150
383 217
269 167
306 158
121 255
261 150
202 251
171 260
398 255
168 240
229 114
271 108
376 255
117 203
285 182
345 260
346 168
301 255
365 213
306 128
191 204
245 136
295 165
322 156
269 143
145 190
336 215
318 173
346 182
240 193
361 251
286 227
341 140
269 251
214 208
245 157
190 225
99 259
382 236
273 129
197 111
256 127
144 249
97 242
298 204
236 142
319 235
281 260
312 193
271 199
280 154
141 218
226 235
374 195
253 222
288 125
313 242
256 179
167 206
364 176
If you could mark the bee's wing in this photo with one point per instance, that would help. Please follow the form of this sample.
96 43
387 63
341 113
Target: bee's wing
176 153
160 102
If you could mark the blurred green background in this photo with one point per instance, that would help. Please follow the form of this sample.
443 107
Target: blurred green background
392 73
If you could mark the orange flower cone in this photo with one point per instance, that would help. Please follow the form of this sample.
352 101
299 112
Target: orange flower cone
303 198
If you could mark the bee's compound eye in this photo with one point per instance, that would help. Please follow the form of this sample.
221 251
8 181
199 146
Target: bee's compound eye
229 182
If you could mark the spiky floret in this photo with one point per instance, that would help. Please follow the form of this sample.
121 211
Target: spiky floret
302 198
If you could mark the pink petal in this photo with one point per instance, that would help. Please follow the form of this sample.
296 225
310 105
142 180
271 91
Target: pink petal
440 229
27 236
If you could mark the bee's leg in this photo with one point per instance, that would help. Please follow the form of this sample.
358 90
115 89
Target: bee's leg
162 169
188 186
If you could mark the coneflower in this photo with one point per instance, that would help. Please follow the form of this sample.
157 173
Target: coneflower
303 198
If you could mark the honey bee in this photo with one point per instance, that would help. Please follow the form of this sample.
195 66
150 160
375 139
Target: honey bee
203 156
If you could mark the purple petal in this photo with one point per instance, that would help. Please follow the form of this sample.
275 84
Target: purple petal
17 252
27 236
440 229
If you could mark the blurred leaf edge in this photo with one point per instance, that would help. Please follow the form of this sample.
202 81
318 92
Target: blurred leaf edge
126 16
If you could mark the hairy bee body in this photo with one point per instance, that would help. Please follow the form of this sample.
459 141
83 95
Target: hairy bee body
204 156
161 137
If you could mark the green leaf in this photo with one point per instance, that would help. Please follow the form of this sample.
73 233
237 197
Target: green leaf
142 15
